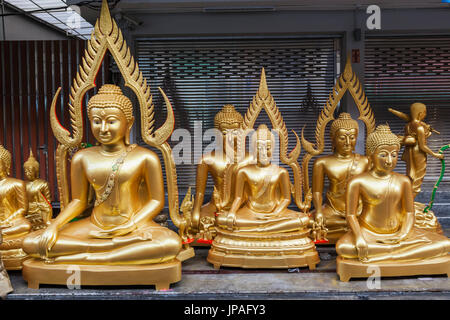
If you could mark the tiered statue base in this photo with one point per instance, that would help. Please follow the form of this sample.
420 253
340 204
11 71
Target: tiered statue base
250 250
351 268
37 272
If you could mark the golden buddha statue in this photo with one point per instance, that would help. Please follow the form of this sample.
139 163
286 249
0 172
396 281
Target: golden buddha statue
39 197
383 234
259 231
259 218
5 283
13 206
222 167
415 155
119 243
338 167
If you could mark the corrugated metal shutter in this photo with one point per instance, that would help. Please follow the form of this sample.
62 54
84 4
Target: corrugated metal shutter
403 70
200 76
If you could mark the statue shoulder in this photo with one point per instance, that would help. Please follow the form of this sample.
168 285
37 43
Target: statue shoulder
358 179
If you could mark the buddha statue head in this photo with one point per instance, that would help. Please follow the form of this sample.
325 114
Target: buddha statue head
111 115
343 133
229 122
5 162
418 111
382 148
264 141
31 167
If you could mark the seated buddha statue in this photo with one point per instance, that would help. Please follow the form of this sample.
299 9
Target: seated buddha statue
13 206
120 229
383 234
221 167
259 230
338 167
39 197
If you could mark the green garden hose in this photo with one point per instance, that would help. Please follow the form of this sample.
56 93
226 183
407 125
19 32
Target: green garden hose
428 207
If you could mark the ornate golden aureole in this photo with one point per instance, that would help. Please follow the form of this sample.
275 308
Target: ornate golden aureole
383 235
343 163
13 207
259 231
415 155
39 197
222 166
119 243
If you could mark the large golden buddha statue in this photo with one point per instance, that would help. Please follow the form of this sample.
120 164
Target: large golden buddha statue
222 166
415 155
39 197
338 167
119 238
259 231
383 234
13 206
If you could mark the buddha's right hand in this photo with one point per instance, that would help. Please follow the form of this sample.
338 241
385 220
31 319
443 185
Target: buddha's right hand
47 240
362 248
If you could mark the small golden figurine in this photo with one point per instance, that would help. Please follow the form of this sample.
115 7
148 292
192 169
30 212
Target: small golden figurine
338 167
222 168
5 283
13 207
259 231
415 155
119 243
383 234
39 197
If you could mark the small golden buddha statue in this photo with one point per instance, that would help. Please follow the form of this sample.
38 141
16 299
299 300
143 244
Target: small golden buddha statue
13 206
39 197
120 229
338 167
415 155
222 168
383 234
5 283
259 230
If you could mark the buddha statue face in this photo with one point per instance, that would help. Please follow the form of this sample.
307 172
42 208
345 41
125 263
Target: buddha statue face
31 168
383 147
265 142
111 115
229 122
344 132
5 162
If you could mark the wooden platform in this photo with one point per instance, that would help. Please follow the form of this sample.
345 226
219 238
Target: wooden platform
349 268
36 272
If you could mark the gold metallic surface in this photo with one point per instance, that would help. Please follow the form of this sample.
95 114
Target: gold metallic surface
120 230
13 207
222 168
259 231
39 197
338 168
415 155
343 163
383 234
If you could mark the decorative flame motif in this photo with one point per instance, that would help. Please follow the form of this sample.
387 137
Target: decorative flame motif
347 81
108 37
264 100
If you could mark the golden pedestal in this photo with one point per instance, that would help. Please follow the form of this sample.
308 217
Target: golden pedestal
249 250
36 272
350 268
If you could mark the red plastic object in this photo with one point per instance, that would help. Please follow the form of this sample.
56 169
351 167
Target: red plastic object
321 241
189 240
204 241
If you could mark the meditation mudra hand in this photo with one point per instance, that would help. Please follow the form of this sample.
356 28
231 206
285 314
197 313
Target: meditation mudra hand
384 231
120 229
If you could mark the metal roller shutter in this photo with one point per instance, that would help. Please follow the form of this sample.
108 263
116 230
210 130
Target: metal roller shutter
200 76
403 70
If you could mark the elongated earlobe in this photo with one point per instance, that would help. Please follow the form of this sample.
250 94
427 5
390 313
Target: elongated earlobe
127 134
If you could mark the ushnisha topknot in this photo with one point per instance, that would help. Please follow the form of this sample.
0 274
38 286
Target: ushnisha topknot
31 162
5 157
344 121
111 95
228 115
380 137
